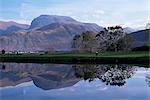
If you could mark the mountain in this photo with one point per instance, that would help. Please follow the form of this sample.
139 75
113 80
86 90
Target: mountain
46 32
43 20
10 30
10 27
140 38
4 25
129 30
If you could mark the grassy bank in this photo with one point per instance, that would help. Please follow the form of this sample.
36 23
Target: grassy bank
68 57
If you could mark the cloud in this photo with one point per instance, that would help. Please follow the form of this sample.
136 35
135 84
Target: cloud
102 12
136 23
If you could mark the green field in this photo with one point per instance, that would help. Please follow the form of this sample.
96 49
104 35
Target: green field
103 54
70 57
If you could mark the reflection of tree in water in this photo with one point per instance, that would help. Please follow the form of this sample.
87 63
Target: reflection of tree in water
148 80
109 74
2 67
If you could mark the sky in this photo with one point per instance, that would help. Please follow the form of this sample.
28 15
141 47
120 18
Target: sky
131 13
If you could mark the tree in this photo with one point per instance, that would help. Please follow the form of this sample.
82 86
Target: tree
3 51
125 43
87 38
148 26
76 43
148 80
83 42
110 38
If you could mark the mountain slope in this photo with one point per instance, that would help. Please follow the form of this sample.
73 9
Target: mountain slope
10 27
4 25
140 38
10 30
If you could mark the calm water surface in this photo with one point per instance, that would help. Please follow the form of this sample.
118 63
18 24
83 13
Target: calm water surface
29 81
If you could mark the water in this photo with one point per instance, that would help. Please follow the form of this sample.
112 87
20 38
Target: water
74 82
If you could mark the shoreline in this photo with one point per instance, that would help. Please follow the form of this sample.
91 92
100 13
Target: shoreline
69 58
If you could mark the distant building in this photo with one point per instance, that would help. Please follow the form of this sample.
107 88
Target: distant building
49 50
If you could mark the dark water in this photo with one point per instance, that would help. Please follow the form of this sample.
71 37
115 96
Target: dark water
74 82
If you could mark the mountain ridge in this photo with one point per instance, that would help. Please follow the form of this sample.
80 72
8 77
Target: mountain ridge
5 24
11 26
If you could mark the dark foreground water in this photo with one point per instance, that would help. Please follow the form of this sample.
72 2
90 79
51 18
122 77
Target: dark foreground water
74 82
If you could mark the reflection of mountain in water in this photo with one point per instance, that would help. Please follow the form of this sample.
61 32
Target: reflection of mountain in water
110 74
45 76
52 76
52 80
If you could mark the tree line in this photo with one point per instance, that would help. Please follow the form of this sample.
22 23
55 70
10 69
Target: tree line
109 39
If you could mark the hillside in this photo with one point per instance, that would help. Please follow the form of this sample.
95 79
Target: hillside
4 25
140 38
10 27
